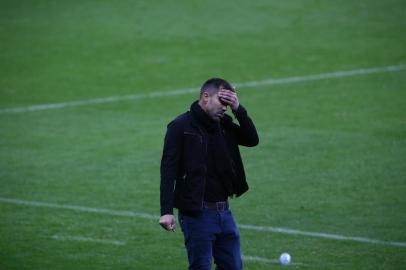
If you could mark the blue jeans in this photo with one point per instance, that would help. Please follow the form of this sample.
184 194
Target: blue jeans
211 234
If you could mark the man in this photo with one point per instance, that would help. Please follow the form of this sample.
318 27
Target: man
201 167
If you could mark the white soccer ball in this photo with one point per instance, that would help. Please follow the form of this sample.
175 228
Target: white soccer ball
285 258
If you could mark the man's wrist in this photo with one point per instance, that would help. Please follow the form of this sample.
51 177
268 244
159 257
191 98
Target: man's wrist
166 212
240 110
236 107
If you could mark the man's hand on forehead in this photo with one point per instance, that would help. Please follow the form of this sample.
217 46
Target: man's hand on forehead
229 97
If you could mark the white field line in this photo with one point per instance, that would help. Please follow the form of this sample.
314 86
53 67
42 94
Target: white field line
320 234
88 239
241 226
80 208
121 243
250 84
265 260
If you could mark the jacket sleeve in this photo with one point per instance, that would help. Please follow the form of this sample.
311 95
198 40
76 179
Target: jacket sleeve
170 165
246 132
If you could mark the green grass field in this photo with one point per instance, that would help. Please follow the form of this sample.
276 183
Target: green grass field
332 151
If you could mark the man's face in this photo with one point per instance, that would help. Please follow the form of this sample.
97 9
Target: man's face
214 107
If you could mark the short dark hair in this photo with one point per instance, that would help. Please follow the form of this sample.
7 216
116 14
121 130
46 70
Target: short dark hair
213 85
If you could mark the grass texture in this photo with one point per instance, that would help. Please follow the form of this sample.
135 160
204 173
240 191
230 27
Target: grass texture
332 152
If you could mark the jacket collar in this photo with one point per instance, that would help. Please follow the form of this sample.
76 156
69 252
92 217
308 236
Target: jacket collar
200 118
203 118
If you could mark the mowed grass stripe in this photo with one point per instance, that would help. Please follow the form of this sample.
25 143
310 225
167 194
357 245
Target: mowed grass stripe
250 84
250 227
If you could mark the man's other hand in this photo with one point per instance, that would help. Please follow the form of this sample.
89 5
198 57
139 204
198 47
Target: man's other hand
168 222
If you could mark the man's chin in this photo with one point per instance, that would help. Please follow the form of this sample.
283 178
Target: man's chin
216 118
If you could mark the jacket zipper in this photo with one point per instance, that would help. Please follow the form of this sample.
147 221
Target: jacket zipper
205 167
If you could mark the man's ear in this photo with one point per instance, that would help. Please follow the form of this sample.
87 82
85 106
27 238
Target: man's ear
205 97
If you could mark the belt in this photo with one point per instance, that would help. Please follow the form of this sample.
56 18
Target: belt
219 206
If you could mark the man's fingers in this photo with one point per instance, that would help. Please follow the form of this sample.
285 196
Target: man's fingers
229 99
227 95
172 227
168 227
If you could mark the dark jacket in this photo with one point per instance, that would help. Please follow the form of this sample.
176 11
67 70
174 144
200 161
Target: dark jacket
184 162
